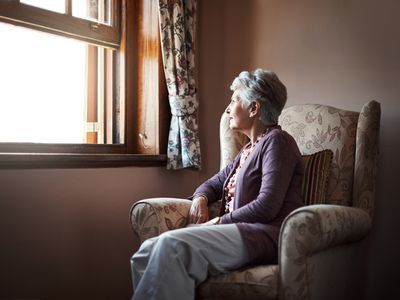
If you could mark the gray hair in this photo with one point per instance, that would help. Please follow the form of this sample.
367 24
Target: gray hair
264 86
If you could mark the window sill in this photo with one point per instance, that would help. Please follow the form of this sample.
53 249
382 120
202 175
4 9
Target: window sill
72 160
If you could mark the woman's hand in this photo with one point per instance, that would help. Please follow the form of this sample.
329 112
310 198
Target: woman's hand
214 221
198 212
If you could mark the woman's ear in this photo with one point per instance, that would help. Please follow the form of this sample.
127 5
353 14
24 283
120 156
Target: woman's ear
254 108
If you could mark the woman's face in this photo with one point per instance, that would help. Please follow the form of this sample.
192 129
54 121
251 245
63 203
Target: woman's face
239 115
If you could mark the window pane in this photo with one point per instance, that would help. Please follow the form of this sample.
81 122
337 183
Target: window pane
94 10
44 94
53 5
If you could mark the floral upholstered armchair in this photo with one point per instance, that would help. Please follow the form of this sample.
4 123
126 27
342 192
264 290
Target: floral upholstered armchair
321 246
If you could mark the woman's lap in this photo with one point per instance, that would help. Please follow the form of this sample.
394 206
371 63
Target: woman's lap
183 258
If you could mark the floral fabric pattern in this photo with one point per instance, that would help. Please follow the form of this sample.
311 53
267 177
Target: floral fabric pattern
177 27
151 217
309 230
319 127
367 152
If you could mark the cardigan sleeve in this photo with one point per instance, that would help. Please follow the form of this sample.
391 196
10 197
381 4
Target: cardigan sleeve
279 159
213 187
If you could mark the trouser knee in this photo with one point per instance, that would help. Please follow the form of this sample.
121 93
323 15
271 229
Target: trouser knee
171 243
144 251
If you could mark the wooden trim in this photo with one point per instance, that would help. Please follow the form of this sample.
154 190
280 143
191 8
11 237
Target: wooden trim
101 95
91 93
131 76
60 148
62 24
152 95
68 7
109 97
52 160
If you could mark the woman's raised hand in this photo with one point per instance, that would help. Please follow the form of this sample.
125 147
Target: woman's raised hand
198 212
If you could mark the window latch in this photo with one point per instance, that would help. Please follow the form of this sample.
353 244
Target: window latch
94 27
142 137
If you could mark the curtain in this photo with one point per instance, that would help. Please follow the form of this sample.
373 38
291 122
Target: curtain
177 28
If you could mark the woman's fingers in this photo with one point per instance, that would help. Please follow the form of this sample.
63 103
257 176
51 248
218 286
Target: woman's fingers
198 212
200 219
193 215
202 215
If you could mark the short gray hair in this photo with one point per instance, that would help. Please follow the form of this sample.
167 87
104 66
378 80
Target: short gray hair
264 86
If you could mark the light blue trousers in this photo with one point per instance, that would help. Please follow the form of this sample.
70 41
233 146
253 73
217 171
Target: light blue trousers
173 264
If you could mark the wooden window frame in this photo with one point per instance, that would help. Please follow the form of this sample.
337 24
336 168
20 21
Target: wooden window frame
143 144
12 11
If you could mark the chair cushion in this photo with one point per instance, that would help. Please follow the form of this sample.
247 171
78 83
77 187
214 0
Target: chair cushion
316 175
316 127
259 282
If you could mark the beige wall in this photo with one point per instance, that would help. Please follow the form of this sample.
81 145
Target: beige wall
65 234
334 52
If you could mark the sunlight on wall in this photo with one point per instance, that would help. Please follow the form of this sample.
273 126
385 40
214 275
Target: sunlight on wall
42 94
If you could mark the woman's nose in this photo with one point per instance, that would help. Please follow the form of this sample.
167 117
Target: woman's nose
227 109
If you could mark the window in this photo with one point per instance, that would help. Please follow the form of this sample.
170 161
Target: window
55 105
83 83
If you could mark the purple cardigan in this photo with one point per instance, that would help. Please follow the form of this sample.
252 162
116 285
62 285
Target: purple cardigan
268 188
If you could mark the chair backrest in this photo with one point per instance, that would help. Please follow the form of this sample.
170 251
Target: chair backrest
352 136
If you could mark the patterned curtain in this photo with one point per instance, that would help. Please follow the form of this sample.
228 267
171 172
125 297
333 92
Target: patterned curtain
177 27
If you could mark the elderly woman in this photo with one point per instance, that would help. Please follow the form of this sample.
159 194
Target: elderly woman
259 188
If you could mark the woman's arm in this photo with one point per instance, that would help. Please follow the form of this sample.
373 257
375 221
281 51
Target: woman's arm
208 192
212 188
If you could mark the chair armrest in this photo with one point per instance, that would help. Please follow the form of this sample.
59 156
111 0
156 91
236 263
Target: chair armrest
312 229
153 216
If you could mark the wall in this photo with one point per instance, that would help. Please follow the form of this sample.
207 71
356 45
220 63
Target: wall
222 53
334 52
65 234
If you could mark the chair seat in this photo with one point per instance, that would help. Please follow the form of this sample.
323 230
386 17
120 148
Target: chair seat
260 282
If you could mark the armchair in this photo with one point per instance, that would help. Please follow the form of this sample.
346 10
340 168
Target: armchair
321 251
